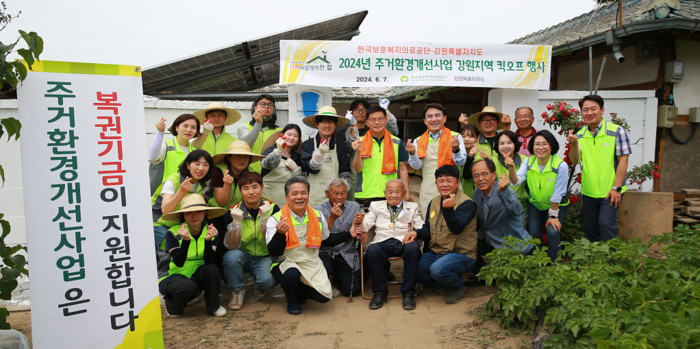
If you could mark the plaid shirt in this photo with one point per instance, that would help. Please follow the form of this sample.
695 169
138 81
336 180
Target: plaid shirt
622 141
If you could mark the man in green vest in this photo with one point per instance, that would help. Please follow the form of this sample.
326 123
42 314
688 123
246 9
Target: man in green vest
603 150
256 132
245 241
214 120
375 166
488 121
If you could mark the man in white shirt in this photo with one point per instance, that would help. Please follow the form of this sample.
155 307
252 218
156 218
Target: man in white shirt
392 219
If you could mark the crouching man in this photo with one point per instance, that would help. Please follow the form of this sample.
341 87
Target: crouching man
296 234
392 219
450 233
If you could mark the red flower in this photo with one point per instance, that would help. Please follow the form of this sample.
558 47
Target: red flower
560 131
578 178
573 199
566 112
549 107
563 103
544 115
554 118
657 175
656 168
561 107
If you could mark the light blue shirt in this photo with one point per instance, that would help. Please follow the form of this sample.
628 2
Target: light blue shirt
559 185
459 158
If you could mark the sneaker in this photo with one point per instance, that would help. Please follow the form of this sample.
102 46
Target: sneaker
220 312
237 298
454 296
171 315
261 293
335 292
293 308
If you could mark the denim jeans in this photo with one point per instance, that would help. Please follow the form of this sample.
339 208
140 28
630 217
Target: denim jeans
159 233
599 219
237 262
537 219
446 269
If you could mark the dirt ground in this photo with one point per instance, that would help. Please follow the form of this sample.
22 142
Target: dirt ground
338 324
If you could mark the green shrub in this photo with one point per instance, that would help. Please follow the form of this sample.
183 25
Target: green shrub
610 294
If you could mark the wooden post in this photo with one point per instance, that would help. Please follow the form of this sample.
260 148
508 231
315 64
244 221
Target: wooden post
660 163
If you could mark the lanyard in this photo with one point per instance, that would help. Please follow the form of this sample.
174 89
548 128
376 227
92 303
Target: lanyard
393 215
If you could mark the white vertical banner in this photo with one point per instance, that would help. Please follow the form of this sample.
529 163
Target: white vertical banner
86 194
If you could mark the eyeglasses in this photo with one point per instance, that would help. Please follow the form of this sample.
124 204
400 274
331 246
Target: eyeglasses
488 121
360 110
266 105
541 145
375 120
479 175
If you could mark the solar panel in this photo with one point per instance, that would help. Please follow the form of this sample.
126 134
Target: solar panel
245 66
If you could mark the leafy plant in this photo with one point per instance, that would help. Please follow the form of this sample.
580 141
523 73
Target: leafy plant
610 294
640 174
12 73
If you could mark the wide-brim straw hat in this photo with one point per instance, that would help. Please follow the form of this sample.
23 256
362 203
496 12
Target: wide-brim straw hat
238 148
326 111
474 119
232 115
192 203
272 140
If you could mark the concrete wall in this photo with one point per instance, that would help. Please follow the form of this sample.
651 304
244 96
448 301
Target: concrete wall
574 76
639 108
12 202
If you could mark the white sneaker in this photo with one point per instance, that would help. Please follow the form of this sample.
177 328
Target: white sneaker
237 298
220 312
261 293
173 316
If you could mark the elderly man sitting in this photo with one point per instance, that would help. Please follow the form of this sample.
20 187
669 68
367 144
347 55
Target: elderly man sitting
340 260
392 219
450 233
499 211
296 233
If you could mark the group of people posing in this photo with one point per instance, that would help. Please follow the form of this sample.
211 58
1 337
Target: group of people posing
295 213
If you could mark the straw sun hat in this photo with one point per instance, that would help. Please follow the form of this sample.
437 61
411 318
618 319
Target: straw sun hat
192 203
474 119
272 140
232 116
238 148
326 111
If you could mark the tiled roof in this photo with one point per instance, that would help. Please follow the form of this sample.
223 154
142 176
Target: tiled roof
351 93
603 19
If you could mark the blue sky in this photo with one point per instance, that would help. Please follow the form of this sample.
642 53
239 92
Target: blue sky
150 32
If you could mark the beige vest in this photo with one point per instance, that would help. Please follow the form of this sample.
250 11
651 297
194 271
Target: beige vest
378 219
442 241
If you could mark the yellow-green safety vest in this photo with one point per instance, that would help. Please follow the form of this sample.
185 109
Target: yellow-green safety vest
195 254
252 238
219 145
157 200
174 156
370 182
541 185
257 146
521 189
598 160
234 196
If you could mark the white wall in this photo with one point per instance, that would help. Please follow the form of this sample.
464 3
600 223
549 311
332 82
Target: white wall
11 194
574 76
638 108
687 91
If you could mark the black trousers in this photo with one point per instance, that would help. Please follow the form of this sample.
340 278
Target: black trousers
377 255
482 248
178 289
294 290
341 273
599 219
